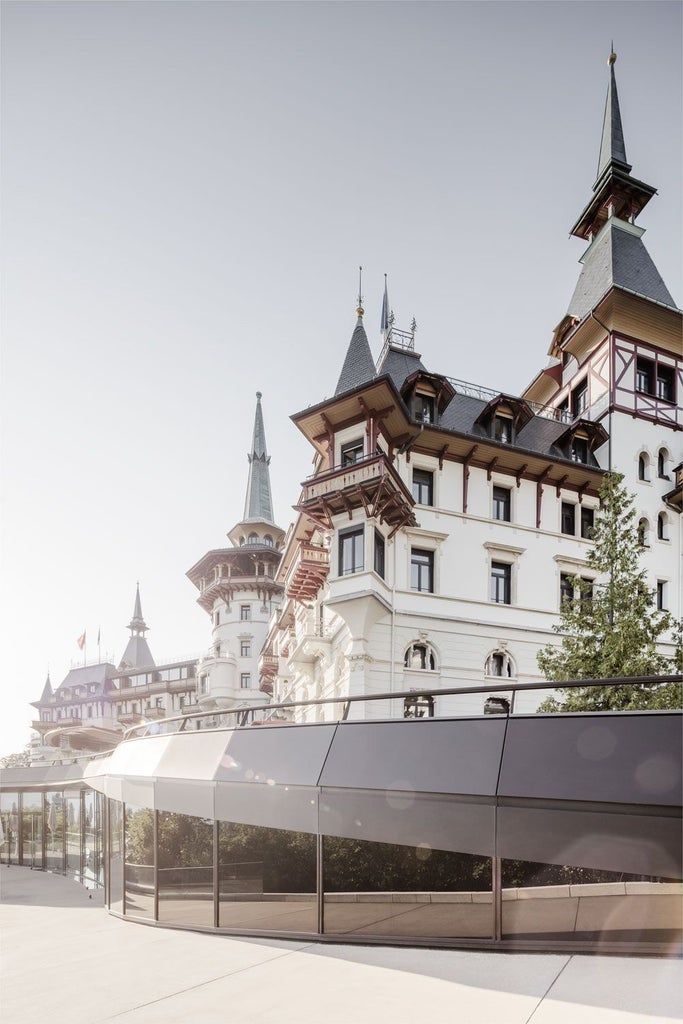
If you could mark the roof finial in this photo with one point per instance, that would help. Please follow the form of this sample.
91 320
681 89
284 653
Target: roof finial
612 55
360 309
259 396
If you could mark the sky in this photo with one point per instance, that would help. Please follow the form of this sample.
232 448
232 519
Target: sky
188 191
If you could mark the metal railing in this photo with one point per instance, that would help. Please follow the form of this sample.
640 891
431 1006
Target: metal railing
244 715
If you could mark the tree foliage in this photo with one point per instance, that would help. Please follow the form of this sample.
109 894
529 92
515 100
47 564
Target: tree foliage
612 627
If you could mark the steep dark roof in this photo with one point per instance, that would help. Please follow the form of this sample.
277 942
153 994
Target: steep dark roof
399 364
359 366
617 257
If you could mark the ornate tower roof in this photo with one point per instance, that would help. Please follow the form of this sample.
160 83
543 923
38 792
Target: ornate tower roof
137 653
359 366
615 192
258 504
616 256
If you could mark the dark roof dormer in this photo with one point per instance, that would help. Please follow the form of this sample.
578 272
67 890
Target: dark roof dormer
580 441
503 417
427 395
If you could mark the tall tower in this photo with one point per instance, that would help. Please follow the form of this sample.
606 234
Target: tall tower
237 588
616 356
137 653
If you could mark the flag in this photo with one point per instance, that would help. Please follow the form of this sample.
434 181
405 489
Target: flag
81 641
384 323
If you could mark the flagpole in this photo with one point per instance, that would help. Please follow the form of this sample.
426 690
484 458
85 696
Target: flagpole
99 651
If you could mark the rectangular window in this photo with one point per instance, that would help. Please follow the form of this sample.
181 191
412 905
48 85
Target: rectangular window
379 554
501 504
424 409
245 612
422 570
502 429
661 596
580 398
352 452
423 487
587 522
501 578
245 649
216 618
568 518
351 551
245 680
566 588
579 450
645 377
586 587
665 383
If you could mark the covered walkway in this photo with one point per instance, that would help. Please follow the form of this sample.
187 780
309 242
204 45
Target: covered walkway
64 959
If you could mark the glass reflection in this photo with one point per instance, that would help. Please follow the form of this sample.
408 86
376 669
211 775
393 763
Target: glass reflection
93 864
72 822
32 830
139 861
267 879
9 815
185 873
576 903
115 855
384 889
54 839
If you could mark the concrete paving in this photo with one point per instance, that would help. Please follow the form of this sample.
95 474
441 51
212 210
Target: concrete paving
65 960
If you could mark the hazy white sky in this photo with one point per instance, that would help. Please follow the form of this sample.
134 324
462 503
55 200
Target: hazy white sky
188 191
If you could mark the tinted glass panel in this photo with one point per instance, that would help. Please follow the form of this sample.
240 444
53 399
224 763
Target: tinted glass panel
32 829
384 889
267 879
72 806
9 812
185 870
54 822
139 861
566 902
93 861
116 855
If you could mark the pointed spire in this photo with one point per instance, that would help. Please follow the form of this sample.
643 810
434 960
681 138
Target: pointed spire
385 321
612 146
359 366
47 689
137 624
258 503
137 653
615 193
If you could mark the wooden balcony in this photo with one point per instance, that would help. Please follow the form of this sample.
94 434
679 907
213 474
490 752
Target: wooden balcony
307 573
371 483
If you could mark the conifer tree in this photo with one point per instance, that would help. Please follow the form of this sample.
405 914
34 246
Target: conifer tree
611 627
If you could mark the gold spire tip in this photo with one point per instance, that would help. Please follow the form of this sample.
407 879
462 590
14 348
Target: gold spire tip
612 58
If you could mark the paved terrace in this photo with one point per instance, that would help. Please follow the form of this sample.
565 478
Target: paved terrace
65 960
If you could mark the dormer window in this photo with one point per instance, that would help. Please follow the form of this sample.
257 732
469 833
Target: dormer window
424 408
502 429
579 452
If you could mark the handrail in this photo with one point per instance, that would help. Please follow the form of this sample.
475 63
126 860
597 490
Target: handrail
246 710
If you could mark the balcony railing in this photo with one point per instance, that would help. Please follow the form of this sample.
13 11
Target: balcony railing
308 572
371 483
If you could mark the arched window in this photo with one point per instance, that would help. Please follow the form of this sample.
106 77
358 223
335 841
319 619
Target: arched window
420 656
500 664
268 540
241 542
662 526
643 533
643 466
253 538
662 458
